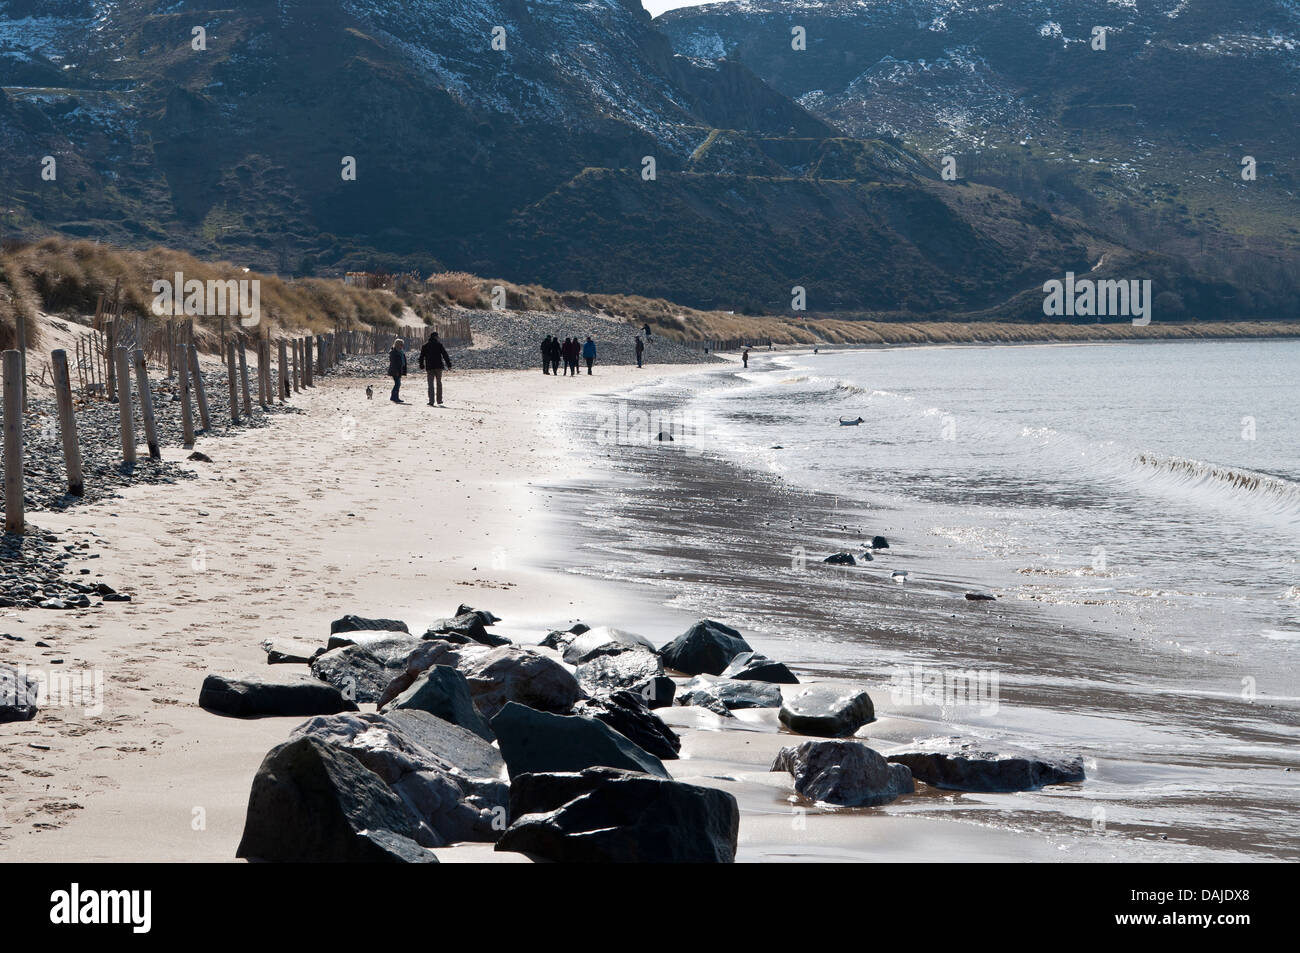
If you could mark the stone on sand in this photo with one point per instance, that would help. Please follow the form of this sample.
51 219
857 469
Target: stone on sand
843 772
827 711
707 648
955 766
759 668
356 623
515 674
534 741
443 691
362 671
255 696
628 714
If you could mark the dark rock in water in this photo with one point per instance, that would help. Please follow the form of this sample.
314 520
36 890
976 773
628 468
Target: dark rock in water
457 751
707 647
537 741
199 457
841 559
827 712
514 674
362 672
867 558
607 673
733 694
255 696
443 691
435 797
843 772
953 766
423 657
657 692
18 694
604 641
603 815
289 651
879 542
628 714
355 623
980 596
313 803
759 668
464 628
488 617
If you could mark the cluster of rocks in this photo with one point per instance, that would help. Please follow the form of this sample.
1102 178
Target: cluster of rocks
513 339
848 559
33 567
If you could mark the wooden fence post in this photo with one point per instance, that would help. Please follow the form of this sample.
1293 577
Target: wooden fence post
146 405
293 353
200 390
123 374
231 371
243 377
285 387
13 427
67 423
187 412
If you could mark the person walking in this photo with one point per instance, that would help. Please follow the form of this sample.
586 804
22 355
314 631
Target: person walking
570 361
646 329
744 357
553 353
433 357
546 354
397 369
640 350
589 353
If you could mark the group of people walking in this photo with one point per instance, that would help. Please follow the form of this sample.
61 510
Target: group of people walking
433 360
570 350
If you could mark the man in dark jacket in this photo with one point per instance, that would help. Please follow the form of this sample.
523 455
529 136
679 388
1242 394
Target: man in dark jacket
554 354
546 354
397 368
433 358
640 350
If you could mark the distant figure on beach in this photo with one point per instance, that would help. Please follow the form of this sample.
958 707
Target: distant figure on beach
851 423
646 329
744 357
546 354
589 353
553 355
640 350
433 357
571 350
397 369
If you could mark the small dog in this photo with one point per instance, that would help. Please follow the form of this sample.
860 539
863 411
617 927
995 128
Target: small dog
851 423
370 392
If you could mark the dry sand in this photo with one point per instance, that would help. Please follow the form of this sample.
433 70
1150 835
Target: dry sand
352 506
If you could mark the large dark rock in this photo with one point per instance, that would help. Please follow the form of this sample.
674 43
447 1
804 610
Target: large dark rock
604 640
537 741
759 668
608 673
455 750
445 807
465 628
19 693
707 647
827 711
658 692
255 696
841 559
602 815
514 674
560 639
362 671
443 691
355 623
488 618
733 694
314 803
628 714
843 772
879 542
423 657
365 637
954 766
701 695
290 651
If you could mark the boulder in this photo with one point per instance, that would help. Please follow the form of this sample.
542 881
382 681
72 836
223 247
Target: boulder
879 542
465 628
841 559
488 617
290 651
559 640
536 741
366 637
980 597
827 711
459 752
362 672
628 714
314 803
255 696
733 694
514 674
608 673
954 766
435 797
707 647
604 640
702 695
658 692
602 815
355 623
421 658
443 691
19 693
759 668
843 772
